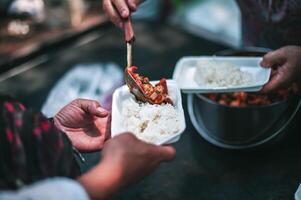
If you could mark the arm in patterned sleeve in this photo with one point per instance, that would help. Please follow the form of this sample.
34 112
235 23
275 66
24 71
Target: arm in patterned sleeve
31 147
33 152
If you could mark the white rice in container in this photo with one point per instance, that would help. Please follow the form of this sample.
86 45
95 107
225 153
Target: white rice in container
150 123
220 74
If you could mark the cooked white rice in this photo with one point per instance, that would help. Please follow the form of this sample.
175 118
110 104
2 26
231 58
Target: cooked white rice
150 123
221 74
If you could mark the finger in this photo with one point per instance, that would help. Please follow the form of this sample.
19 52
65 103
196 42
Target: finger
273 58
88 143
122 8
273 72
132 4
112 13
167 153
108 129
84 142
100 112
277 81
92 107
104 126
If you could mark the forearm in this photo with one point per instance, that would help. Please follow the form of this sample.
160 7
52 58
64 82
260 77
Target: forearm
102 182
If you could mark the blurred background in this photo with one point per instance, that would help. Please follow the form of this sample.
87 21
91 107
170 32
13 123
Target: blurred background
28 25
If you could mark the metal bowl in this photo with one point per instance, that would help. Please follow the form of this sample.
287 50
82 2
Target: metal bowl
236 127
235 137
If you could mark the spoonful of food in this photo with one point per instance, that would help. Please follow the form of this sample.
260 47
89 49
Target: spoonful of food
140 86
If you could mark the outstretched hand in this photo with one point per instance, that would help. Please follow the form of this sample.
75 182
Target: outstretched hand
286 65
86 124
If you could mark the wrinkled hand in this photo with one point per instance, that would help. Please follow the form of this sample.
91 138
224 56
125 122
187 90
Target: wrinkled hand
86 124
119 10
286 64
125 160
134 159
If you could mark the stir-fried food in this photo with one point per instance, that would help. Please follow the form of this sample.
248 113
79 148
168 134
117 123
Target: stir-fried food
244 99
157 94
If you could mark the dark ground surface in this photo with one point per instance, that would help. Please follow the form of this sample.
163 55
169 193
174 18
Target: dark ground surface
200 170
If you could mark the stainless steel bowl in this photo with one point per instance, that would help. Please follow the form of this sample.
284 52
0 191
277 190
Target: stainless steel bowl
274 133
235 125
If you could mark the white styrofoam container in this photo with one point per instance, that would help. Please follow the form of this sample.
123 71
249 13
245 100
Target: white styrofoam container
121 94
186 68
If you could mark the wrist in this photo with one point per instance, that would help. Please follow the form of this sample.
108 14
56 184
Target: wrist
101 182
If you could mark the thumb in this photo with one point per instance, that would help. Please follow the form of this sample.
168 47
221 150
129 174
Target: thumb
277 81
167 153
92 107
273 58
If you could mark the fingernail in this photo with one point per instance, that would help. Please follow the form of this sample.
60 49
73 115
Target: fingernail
102 111
124 13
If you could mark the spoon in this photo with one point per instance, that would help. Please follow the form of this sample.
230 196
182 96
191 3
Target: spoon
131 82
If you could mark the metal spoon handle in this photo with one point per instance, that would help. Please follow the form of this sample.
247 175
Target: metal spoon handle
129 54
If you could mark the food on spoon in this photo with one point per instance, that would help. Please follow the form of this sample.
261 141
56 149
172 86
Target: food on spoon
151 123
157 94
244 99
220 74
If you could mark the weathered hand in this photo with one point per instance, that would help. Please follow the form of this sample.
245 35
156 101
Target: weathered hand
119 10
134 158
286 64
86 124
125 160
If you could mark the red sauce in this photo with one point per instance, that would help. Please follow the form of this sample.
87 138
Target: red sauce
246 99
